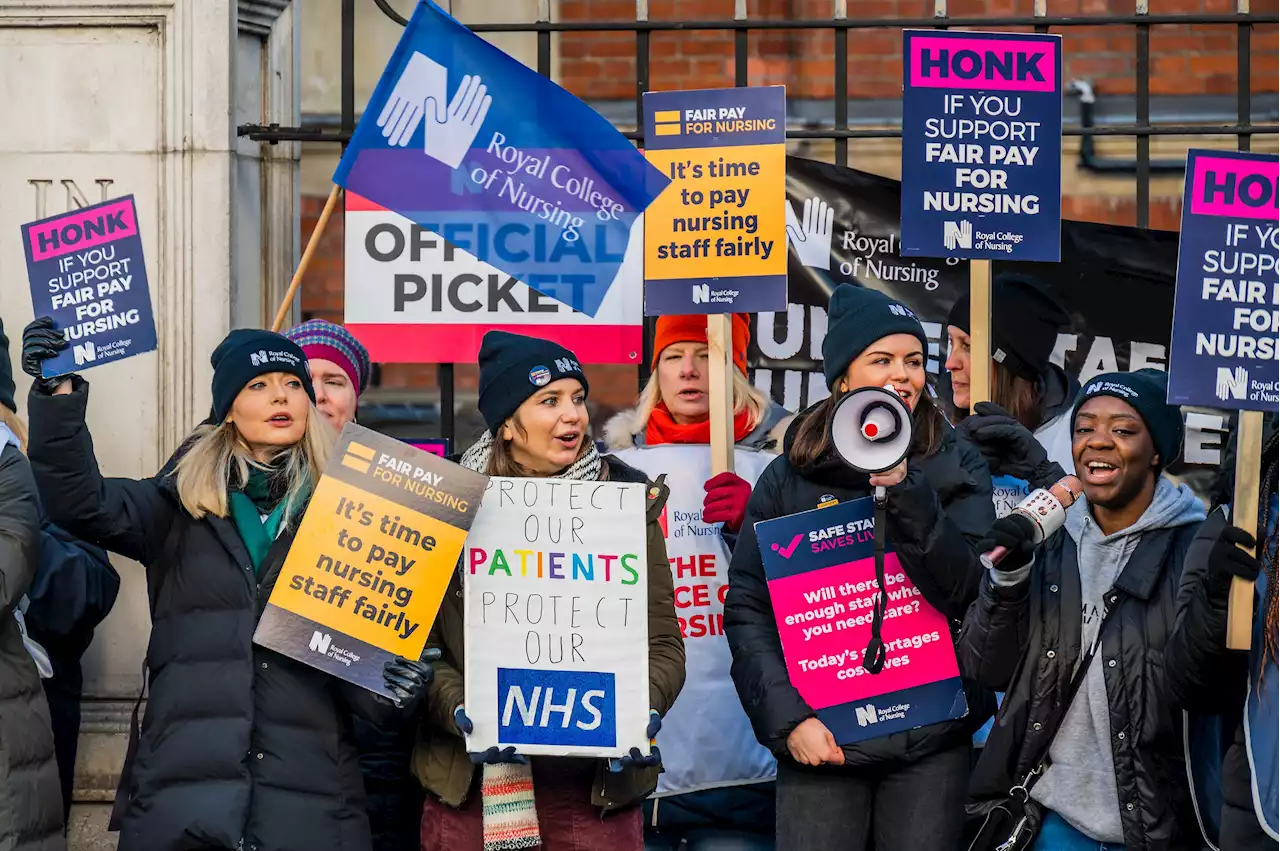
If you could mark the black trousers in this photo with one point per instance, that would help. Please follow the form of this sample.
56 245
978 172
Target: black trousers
898 806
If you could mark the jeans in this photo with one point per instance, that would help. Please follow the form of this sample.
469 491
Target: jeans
893 806
1057 834
707 839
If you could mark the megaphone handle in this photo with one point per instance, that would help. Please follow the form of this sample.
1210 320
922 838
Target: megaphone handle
994 557
881 494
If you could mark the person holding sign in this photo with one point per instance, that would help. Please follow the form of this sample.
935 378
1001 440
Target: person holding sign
1072 630
241 746
905 790
533 397
729 796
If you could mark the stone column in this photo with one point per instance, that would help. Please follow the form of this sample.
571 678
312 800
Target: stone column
104 98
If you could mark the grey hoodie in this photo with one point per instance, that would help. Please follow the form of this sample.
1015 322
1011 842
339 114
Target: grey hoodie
1080 784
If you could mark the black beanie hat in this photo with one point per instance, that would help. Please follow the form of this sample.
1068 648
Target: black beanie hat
7 387
1025 321
247 353
1146 391
513 367
856 318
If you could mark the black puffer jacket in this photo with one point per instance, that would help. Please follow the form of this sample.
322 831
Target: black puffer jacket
935 516
240 746
1025 640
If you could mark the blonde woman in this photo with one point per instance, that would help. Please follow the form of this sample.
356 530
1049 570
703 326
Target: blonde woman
241 748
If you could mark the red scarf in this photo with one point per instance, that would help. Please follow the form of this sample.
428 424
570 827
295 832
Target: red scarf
663 428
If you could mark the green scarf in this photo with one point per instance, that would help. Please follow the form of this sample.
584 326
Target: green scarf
247 507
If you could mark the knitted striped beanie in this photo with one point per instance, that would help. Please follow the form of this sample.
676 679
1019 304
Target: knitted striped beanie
327 341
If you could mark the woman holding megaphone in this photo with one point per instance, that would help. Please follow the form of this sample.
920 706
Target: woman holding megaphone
533 397
905 790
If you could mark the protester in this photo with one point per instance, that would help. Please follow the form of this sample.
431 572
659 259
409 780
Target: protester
533 397
905 790
1086 725
716 784
1240 686
241 747
31 811
340 369
73 589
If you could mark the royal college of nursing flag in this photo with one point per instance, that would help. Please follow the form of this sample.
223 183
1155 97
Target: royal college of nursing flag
503 163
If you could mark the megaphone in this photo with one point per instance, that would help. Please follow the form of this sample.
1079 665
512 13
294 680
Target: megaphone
871 429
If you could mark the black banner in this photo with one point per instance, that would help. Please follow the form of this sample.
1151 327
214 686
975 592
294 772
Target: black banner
1117 284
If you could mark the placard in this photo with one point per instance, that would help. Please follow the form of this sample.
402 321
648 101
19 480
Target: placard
87 273
557 620
822 580
371 559
1224 348
982 145
715 240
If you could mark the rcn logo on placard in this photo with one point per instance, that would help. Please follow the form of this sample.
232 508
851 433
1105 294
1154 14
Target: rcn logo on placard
957 235
1232 385
866 714
556 708
701 293
85 352
320 642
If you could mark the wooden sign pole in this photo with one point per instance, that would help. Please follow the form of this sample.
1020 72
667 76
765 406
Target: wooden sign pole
329 205
1244 513
720 379
979 332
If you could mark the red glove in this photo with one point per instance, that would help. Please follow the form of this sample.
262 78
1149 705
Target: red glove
726 500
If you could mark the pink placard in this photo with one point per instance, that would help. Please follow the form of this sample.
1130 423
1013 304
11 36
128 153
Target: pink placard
1241 188
991 64
824 621
82 229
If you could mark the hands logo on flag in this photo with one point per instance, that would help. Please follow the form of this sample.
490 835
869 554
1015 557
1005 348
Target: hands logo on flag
421 93
811 237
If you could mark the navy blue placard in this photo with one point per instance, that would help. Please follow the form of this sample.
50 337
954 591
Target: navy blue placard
982 145
844 533
1223 350
87 272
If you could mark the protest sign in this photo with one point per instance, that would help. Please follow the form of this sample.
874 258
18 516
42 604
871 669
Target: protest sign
86 271
706 738
415 296
822 582
371 559
1226 314
438 446
557 621
715 240
503 147
981 145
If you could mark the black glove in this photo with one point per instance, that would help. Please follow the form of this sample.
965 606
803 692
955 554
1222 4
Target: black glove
408 681
1016 534
41 341
1008 446
1227 561
635 758
489 756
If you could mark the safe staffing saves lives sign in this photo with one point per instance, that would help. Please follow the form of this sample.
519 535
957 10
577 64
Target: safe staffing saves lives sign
1226 312
372 558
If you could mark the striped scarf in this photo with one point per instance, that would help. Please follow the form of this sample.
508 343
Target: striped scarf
506 790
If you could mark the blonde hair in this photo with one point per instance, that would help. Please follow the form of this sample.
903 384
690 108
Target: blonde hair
746 396
17 426
218 458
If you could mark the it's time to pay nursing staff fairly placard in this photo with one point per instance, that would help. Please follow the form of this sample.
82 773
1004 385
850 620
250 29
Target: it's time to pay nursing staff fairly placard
715 240
982 145
372 558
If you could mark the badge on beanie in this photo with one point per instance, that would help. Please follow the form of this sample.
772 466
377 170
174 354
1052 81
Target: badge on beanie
539 376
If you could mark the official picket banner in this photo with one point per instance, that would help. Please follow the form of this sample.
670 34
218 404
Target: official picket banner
981 145
557 619
715 239
1117 284
371 559
1226 314
821 572
500 146
706 739
87 272
418 295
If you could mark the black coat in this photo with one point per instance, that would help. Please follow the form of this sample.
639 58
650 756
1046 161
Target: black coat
935 516
239 745
1025 641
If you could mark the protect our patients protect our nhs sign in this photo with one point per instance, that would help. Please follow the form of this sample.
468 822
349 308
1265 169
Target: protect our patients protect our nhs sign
982 145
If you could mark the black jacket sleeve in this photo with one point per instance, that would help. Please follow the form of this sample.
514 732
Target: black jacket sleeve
996 632
934 525
759 671
1200 673
125 516
74 589
19 527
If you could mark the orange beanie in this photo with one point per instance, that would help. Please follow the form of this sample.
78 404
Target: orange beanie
693 329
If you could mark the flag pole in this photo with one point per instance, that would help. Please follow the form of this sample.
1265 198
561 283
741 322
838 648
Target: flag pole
329 205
